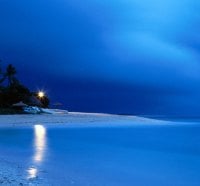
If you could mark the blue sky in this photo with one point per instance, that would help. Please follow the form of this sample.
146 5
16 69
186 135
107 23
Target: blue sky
136 56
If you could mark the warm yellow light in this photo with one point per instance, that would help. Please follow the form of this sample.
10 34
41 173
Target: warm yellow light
41 94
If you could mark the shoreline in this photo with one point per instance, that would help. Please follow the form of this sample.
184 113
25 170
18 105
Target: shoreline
77 119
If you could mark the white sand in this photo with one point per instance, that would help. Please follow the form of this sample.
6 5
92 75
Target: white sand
74 119
11 174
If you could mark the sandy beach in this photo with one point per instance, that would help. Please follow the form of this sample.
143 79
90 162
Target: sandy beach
75 119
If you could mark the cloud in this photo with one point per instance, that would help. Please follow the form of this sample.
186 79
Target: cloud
153 55
147 43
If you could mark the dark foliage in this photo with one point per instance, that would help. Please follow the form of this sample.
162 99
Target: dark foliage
13 91
44 101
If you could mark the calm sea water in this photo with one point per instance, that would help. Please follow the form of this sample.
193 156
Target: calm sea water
139 156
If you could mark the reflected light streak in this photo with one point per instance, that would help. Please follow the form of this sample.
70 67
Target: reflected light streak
32 173
39 147
39 142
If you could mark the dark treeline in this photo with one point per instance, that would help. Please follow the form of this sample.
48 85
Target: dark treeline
13 91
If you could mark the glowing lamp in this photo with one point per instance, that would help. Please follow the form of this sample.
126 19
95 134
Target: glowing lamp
41 94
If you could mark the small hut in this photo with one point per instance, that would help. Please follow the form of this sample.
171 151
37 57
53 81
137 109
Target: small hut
57 105
19 106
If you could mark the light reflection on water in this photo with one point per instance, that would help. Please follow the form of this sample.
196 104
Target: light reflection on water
39 150
39 142
32 172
